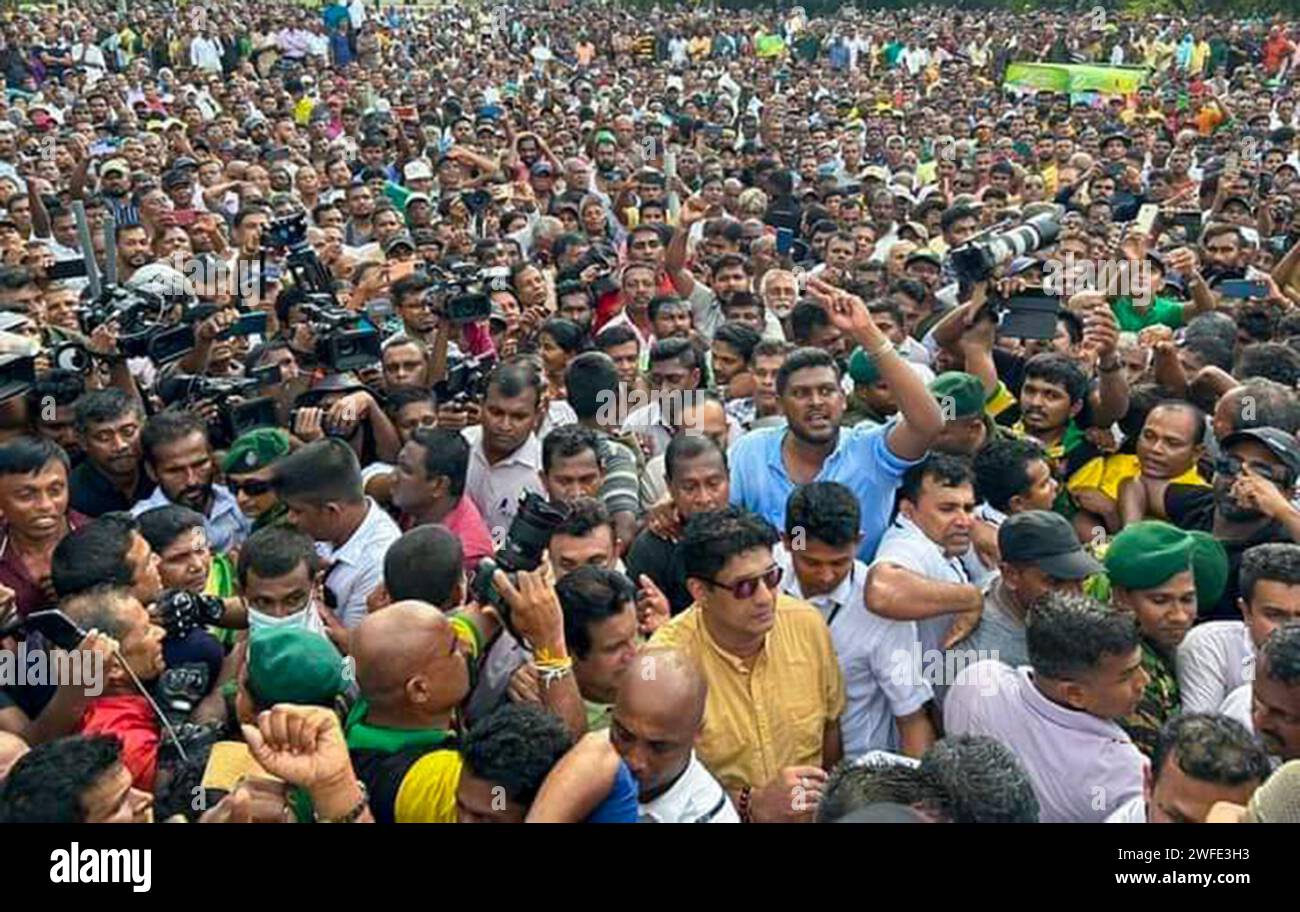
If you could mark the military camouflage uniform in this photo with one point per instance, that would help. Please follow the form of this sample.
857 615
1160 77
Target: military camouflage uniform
1160 701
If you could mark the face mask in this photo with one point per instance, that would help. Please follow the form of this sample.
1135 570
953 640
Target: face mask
258 620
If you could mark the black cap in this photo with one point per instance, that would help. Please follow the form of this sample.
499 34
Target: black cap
1048 541
1279 443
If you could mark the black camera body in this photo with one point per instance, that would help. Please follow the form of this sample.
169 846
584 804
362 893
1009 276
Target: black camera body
525 543
466 380
345 341
233 417
140 315
463 291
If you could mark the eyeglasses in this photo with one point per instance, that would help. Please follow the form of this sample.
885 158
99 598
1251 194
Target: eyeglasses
1232 465
253 488
745 588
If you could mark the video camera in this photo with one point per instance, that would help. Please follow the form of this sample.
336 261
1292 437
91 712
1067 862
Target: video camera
527 539
288 235
141 316
459 291
345 340
239 407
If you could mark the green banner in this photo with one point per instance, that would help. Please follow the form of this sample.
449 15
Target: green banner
1075 77
769 46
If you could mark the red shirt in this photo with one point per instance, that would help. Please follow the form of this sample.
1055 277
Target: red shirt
466 523
29 595
132 720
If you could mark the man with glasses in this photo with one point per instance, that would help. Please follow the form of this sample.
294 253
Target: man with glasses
1249 504
248 467
772 720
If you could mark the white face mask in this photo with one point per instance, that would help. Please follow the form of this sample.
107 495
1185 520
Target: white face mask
258 620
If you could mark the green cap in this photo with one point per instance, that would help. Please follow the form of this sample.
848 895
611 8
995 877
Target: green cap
293 665
964 391
255 450
862 368
1147 554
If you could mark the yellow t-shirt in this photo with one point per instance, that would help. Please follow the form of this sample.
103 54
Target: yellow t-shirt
772 713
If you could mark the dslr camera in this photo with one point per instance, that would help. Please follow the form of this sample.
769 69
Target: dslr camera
526 540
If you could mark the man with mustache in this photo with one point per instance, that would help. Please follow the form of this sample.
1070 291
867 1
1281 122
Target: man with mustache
178 457
1270 705
768 464
1249 504
110 478
1160 573
34 501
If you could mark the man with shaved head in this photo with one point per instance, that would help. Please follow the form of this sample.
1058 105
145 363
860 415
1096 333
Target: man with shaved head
656 718
414 665
658 714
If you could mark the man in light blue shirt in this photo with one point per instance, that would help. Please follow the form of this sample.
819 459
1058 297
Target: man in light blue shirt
767 465
178 456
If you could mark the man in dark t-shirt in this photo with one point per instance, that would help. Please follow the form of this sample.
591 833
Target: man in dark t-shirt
1249 504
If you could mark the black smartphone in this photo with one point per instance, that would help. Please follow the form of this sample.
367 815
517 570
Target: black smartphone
66 269
248 324
171 344
56 627
267 376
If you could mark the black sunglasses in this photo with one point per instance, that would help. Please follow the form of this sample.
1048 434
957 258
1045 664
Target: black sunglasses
253 488
743 589
1232 465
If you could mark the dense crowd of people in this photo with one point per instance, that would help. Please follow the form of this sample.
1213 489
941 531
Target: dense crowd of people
571 412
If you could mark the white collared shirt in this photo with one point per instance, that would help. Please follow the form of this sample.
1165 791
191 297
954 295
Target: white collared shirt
496 489
875 654
358 564
906 546
1213 660
225 524
1083 768
696 797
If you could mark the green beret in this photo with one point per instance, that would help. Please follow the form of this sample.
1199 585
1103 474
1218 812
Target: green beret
862 368
1210 567
255 450
1147 554
293 665
963 390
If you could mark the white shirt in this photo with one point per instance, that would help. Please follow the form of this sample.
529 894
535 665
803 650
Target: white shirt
875 654
696 797
358 564
1132 811
205 53
1213 660
906 546
225 524
1083 768
496 489
1239 705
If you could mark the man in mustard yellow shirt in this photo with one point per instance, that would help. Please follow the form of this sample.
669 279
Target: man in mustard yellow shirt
772 721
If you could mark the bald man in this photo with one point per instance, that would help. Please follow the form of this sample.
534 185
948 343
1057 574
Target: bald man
657 716
655 720
412 666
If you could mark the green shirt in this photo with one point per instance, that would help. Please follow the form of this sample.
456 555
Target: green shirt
1160 701
597 714
1162 312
